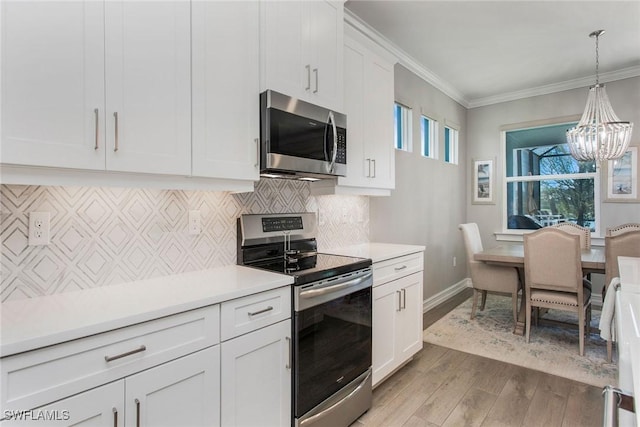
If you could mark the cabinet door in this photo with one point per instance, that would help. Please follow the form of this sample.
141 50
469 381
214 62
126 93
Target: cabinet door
99 407
324 43
148 80
256 378
285 62
386 305
409 333
378 131
184 392
354 94
225 54
52 81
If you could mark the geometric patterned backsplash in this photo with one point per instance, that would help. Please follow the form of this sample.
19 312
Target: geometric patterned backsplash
102 235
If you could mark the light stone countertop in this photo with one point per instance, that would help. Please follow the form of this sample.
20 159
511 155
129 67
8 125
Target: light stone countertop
376 251
37 322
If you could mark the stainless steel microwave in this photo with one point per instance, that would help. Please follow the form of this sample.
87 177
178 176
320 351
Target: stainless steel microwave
299 139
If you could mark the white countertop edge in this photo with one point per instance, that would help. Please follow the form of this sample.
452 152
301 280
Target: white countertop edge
43 321
376 251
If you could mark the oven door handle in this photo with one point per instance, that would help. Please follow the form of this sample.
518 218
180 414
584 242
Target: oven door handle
312 293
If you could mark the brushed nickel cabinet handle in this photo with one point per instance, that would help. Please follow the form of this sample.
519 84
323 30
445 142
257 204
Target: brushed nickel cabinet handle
115 116
95 113
368 168
315 70
255 313
128 353
115 417
308 68
399 300
400 268
288 365
137 413
257 141
404 298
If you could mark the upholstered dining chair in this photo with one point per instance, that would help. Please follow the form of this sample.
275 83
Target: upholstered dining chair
573 228
486 277
553 277
621 229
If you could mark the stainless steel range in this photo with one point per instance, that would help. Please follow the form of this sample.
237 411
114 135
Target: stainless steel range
331 316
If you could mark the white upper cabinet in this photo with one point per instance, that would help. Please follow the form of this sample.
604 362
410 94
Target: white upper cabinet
225 79
53 84
69 68
368 104
148 83
302 50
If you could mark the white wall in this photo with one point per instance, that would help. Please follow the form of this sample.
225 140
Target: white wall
429 200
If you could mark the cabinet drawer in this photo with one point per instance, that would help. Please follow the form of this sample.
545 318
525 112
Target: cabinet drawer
395 268
41 376
252 312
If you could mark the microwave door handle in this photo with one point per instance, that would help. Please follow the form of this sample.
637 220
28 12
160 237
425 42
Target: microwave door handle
332 121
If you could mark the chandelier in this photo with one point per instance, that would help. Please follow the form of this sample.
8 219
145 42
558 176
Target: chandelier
600 135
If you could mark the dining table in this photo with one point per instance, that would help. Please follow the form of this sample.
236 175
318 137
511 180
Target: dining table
512 255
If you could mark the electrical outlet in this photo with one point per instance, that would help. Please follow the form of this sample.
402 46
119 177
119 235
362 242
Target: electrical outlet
39 232
195 225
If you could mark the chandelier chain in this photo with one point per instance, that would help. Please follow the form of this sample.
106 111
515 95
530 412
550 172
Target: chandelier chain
597 59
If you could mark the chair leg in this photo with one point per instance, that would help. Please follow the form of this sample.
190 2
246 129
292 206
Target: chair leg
475 303
484 300
514 303
527 325
581 321
609 350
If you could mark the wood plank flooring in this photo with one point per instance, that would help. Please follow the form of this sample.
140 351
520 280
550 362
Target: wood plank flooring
443 387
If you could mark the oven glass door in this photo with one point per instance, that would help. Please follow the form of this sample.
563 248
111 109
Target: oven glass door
332 347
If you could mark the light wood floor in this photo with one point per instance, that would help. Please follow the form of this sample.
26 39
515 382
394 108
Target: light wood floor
443 387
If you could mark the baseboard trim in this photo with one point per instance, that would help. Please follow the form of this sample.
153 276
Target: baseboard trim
444 295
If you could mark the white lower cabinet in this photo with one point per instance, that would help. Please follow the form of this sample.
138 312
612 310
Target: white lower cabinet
256 378
397 322
256 360
183 392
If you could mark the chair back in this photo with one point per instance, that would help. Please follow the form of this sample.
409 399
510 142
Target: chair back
627 244
621 229
573 228
552 260
472 240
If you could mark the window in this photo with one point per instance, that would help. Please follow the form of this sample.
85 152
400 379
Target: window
429 137
545 185
402 129
450 145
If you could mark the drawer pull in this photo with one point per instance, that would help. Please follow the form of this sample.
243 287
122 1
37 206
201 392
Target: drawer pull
255 313
115 417
400 268
128 353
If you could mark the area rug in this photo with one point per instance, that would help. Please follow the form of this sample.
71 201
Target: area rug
552 349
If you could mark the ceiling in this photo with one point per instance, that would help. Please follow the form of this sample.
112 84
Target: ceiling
483 52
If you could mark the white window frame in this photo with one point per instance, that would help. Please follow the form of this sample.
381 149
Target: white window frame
429 140
405 132
516 234
453 144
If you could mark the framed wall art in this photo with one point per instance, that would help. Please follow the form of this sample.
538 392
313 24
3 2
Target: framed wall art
483 177
622 178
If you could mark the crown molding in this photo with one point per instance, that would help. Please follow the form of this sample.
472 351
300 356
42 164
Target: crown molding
624 73
430 77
